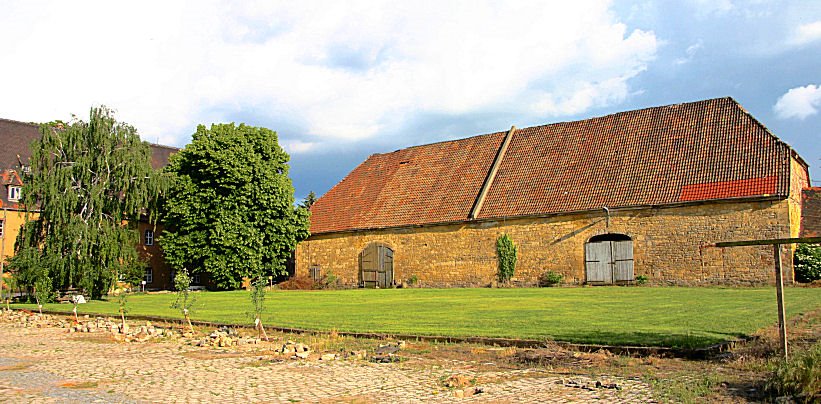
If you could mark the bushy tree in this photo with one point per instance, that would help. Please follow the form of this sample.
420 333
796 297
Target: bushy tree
309 200
230 211
90 181
807 262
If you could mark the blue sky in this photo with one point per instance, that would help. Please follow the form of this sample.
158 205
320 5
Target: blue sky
340 81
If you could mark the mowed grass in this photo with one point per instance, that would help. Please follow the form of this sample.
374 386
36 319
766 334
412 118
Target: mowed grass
646 316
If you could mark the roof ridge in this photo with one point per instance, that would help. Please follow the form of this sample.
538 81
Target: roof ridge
37 125
636 110
728 98
164 146
440 142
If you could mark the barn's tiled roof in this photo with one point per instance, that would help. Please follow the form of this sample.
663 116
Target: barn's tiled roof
811 212
423 184
682 153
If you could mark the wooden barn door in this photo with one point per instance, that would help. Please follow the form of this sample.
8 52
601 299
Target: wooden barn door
622 260
376 266
597 262
609 259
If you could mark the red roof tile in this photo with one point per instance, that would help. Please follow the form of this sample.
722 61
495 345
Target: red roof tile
432 183
729 189
680 153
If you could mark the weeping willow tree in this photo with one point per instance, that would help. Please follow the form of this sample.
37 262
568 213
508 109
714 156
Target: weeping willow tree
89 182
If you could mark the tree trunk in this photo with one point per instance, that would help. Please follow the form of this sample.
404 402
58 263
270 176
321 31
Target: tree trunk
188 320
37 298
261 329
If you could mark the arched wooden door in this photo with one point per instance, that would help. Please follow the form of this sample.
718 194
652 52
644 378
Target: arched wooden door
376 266
608 259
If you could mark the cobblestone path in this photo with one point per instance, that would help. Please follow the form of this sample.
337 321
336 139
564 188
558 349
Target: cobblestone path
50 365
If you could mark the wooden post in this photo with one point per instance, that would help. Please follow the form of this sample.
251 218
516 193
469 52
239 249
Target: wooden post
779 290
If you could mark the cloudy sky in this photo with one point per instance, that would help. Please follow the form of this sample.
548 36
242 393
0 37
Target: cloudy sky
341 80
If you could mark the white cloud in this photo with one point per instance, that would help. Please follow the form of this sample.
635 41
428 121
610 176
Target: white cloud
806 33
340 70
799 102
296 146
690 53
707 7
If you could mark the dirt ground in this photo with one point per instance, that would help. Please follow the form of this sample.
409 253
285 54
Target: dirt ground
42 361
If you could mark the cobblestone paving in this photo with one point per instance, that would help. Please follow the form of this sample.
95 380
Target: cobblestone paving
50 365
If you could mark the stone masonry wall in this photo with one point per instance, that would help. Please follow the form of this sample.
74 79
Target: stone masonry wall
667 246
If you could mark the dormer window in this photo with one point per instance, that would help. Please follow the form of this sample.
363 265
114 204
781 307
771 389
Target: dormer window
14 193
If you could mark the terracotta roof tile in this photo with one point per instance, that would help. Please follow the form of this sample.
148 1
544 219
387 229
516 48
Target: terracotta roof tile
423 184
729 189
680 153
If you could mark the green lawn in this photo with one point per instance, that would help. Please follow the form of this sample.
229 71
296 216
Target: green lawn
676 317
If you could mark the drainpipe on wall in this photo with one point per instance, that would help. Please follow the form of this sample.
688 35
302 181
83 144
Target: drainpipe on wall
607 222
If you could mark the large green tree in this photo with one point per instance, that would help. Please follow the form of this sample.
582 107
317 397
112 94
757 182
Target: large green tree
230 211
90 182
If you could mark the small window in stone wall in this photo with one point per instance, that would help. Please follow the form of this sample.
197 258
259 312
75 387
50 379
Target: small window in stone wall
195 279
149 237
315 272
148 275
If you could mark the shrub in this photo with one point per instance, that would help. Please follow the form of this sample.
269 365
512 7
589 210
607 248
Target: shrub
506 250
641 280
329 281
297 283
413 280
800 376
550 278
807 263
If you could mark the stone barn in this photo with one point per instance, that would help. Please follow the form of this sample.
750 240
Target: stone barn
600 201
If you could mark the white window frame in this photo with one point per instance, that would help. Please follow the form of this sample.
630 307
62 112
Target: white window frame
14 193
148 275
149 237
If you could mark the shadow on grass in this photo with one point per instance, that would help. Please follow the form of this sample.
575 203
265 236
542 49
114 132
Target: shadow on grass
699 340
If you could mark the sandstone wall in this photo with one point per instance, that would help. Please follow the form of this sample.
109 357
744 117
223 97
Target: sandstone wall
799 180
667 246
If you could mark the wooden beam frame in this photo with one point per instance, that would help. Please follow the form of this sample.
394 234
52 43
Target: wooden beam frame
779 277
500 155
772 241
